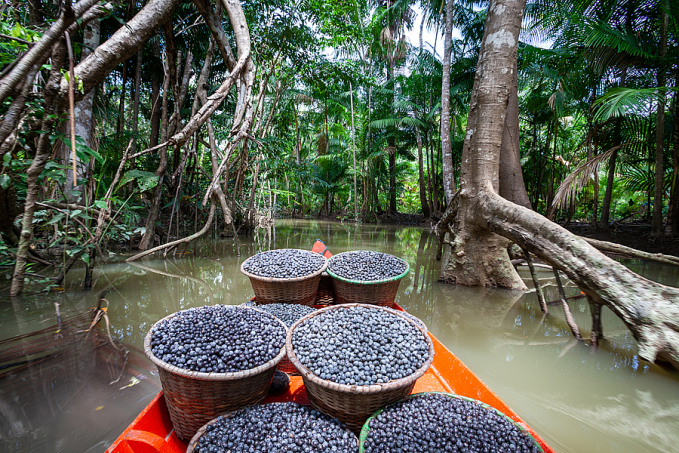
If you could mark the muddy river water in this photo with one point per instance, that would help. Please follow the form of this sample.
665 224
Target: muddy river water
81 392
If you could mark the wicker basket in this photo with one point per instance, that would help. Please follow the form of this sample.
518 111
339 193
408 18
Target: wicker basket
378 292
287 367
326 291
194 398
299 290
366 426
196 438
353 404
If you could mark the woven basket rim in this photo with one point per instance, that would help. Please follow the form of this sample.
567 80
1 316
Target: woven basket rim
366 282
366 426
357 389
285 280
230 376
196 437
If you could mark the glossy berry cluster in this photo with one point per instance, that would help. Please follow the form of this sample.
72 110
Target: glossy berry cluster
440 423
218 339
284 263
363 265
359 346
288 313
277 428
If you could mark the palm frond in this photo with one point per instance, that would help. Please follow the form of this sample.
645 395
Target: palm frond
622 101
578 179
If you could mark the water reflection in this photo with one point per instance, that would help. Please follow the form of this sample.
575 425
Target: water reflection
578 398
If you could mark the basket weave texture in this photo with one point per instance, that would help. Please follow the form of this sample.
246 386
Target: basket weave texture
298 290
326 291
194 398
366 427
353 404
287 367
378 292
196 438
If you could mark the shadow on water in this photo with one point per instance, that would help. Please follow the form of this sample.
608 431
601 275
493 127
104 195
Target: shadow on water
578 398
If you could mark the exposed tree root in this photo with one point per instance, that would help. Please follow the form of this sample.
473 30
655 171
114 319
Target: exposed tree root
566 309
597 329
650 310
185 240
536 283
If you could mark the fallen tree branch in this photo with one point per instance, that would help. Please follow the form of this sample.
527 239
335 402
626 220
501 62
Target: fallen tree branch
633 253
187 239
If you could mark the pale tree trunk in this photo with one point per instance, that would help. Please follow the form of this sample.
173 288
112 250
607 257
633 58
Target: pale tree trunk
650 310
135 105
447 170
512 186
657 226
423 190
84 121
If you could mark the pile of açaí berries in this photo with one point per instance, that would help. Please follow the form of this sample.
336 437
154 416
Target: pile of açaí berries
363 265
441 423
277 427
284 263
218 339
359 346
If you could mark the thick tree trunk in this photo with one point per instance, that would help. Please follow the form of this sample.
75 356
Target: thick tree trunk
512 186
37 165
649 310
148 238
447 168
476 256
657 225
423 190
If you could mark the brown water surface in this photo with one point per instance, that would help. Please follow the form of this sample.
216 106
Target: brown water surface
579 399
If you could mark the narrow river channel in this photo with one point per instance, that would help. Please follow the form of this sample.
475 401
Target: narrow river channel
579 399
